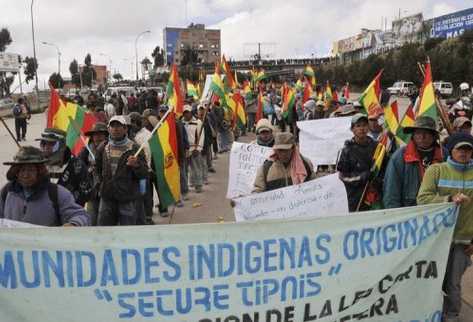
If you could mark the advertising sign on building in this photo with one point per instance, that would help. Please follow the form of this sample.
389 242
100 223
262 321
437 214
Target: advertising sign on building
452 25
407 28
9 62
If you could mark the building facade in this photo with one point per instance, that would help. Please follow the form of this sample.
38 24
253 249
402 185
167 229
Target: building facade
409 29
101 74
206 42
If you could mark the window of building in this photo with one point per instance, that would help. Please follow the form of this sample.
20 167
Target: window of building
182 45
201 46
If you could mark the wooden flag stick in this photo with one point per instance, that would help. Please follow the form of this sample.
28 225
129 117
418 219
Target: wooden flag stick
161 121
9 131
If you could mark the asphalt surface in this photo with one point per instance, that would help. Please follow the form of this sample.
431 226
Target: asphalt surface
209 206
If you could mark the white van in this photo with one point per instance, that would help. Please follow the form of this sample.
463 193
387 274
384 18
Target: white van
445 88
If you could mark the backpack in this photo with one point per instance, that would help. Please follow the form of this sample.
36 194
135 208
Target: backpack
17 110
52 193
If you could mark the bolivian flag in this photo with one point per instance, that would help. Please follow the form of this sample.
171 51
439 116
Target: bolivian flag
173 92
370 97
288 105
236 104
83 122
427 106
407 120
192 90
309 73
218 90
163 146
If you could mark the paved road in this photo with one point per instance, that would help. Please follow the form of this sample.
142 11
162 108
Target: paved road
209 206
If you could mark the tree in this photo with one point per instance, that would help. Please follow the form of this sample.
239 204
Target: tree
190 56
118 77
5 39
56 80
31 65
5 82
158 57
88 72
75 76
88 60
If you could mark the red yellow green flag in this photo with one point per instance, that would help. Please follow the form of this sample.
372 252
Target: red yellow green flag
83 121
192 90
309 73
307 92
289 101
240 110
55 104
163 146
259 109
427 106
174 93
371 196
370 97
299 85
328 95
407 120
218 90
391 117
229 81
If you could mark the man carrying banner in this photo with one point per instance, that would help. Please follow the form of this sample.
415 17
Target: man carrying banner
407 166
285 167
447 182
119 172
355 162
31 197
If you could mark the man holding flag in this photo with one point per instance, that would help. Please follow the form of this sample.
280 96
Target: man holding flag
355 162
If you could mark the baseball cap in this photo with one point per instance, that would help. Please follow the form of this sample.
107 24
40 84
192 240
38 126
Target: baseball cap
118 118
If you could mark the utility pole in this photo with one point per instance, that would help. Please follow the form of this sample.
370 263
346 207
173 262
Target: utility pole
34 57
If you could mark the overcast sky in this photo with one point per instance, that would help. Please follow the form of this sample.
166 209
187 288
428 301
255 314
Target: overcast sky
109 27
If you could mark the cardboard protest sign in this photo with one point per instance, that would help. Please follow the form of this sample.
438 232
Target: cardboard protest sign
245 159
325 196
321 140
381 265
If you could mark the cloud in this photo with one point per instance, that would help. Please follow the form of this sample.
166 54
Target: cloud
286 28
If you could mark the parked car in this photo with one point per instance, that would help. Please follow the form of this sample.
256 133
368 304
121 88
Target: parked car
401 88
445 88
6 103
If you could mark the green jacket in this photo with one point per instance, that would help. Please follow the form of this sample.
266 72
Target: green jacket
443 180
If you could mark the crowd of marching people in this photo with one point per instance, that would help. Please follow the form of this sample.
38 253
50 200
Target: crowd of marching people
112 180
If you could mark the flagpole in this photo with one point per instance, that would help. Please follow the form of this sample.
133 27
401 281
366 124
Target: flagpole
9 131
76 127
161 121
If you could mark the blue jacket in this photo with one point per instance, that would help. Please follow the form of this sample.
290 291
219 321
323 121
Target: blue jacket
404 175
38 208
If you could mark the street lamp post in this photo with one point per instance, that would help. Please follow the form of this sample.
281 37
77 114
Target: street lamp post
58 55
136 49
34 57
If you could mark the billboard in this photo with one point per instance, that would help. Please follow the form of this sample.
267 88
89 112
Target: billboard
360 41
407 28
9 62
452 25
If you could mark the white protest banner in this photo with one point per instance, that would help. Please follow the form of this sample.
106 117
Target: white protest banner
379 266
7 223
321 140
245 159
324 196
